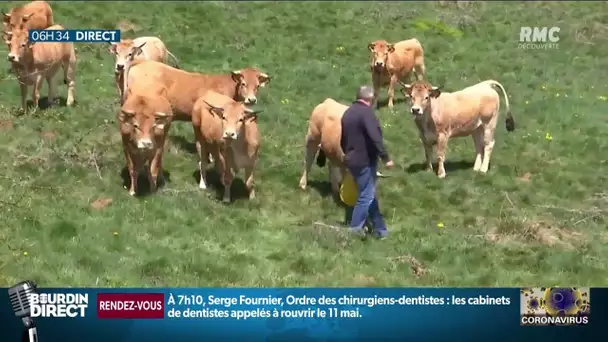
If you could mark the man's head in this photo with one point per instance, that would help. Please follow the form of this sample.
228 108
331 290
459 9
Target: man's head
248 81
18 46
125 52
143 120
233 115
365 94
380 49
420 93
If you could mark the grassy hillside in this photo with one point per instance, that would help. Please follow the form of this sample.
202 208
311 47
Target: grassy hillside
537 217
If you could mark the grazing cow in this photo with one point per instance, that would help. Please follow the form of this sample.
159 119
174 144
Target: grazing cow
227 130
144 120
324 135
34 62
393 62
470 111
36 15
185 88
128 50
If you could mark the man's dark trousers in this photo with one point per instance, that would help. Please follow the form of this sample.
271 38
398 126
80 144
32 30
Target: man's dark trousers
367 206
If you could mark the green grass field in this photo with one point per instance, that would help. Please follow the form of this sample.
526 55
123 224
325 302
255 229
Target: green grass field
536 218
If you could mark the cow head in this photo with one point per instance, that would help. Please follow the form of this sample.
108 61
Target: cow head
247 83
233 115
125 52
142 122
380 50
18 45
419 94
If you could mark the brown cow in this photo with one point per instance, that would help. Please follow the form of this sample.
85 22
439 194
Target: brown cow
128 50
393 62
228 130
144 121
324 134
36 15
185 88
34 62
470 111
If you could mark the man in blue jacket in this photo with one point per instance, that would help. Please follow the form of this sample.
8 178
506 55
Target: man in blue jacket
363 146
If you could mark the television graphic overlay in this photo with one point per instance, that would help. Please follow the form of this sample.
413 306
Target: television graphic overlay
540 306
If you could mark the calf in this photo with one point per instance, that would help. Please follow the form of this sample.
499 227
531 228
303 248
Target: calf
470 111
34 62
392 62
185 88
324 134
228 130
142 48
36 15
144 121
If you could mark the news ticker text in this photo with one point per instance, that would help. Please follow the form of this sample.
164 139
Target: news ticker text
243 307
74 36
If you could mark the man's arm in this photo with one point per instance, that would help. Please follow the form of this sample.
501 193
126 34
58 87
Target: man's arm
372 127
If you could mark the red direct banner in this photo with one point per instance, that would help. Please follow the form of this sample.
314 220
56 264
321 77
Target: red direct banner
131 305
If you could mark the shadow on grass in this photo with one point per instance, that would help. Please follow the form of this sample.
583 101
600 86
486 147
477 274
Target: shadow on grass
449 166
183 144
44 104
324 190
238 190
143 186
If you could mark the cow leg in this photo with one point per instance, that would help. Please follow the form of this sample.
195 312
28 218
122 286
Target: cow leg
132 172
488 142
335 177
51 85
249 181
69 72
442 144
202 162
36 90
310 150
23 88
479 147
155 170
227 178
391 90
376 83
428 154
419 70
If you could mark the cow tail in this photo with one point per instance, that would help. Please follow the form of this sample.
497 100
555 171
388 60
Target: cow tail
509 121
321 158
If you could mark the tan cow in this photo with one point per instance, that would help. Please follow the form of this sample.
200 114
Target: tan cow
144 121
36 15
227 130
35 62
185 88
470 111
393 62
324 135
142 48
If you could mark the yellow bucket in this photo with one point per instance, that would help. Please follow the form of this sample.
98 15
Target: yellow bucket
349 191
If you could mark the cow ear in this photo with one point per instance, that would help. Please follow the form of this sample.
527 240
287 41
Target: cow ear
219 111
250 113
371 46
391 48
162 119
264 79
435 92
237 76
406 89
126 115
137 49
112 48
